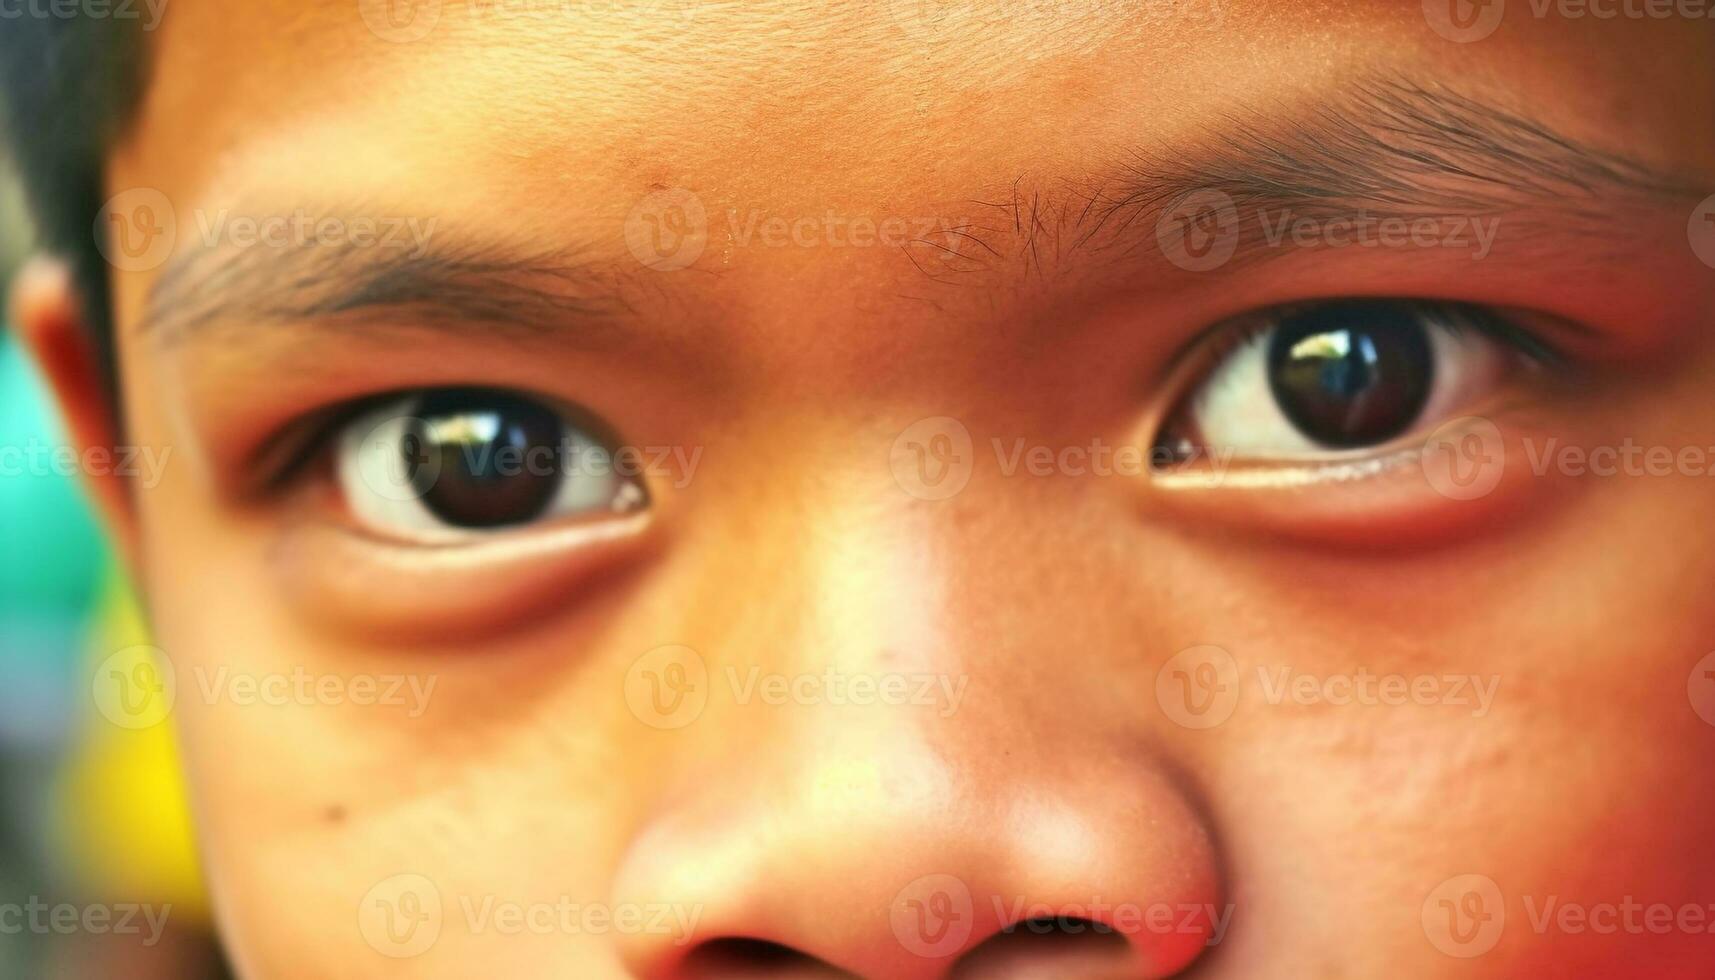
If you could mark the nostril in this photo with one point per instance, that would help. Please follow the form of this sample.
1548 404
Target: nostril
1065 926
1061 946
732 959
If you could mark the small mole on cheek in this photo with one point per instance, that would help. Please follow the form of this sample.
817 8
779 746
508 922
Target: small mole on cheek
335 814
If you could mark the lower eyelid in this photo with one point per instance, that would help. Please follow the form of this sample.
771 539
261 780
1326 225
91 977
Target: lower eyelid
438 594
1287 472
1393 501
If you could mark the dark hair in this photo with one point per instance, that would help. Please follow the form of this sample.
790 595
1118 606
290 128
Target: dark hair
68 86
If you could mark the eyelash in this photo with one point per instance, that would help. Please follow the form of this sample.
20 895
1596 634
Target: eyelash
306 443
285 460
1217 342
1205 370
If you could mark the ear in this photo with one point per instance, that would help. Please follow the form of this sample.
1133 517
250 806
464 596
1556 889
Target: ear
53 328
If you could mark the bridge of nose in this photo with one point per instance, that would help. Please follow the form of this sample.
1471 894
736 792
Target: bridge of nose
972 781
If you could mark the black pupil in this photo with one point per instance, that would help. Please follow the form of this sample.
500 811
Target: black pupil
483 459
1351 374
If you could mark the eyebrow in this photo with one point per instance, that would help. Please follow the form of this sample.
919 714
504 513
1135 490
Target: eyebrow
1383 149
454 280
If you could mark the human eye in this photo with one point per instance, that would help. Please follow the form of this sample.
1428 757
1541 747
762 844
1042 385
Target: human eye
446 464
1342 385
435 513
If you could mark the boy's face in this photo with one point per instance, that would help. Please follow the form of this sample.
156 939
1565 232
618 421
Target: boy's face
966 566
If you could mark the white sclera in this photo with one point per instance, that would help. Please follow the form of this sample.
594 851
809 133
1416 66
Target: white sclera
383 495
1235 411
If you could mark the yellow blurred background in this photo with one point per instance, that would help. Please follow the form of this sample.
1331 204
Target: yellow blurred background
92 812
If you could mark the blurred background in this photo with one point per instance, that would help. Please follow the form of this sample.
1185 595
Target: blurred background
98 875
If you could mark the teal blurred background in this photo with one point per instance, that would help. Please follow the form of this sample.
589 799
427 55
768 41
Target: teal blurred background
91 816
50 569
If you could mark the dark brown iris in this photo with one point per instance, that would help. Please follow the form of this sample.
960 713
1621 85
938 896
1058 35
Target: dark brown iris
1351 374
481 458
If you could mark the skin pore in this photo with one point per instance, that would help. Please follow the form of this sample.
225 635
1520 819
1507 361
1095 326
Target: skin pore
1025 157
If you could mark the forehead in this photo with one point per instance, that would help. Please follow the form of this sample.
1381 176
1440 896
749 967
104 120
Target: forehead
836 103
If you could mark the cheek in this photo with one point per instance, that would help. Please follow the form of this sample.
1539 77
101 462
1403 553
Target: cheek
1582 791
1395 839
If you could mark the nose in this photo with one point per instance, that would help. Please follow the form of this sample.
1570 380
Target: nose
872 852
991 828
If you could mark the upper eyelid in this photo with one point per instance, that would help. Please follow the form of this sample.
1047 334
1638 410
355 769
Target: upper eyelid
284 455
1192 367
1229 333
314 430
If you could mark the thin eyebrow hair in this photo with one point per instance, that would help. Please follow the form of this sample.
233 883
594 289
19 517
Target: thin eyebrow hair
453 282
1384 149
